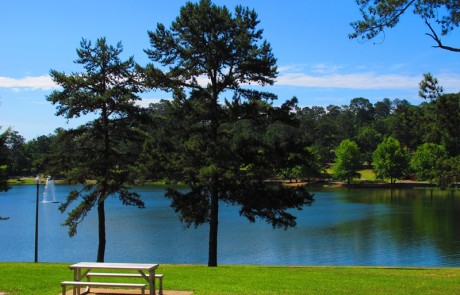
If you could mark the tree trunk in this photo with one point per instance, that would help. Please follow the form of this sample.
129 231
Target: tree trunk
101 206
101 217
213 229
214 220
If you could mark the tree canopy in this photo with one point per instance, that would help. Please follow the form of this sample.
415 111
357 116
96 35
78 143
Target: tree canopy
389 159
425 160
3 168
440 16
3 160
347 161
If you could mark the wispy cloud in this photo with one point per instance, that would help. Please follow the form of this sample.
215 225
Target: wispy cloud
340 77
315 76
450 82
145 102
349 81
325 69
28 83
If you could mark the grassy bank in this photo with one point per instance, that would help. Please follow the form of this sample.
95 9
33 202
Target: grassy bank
44 278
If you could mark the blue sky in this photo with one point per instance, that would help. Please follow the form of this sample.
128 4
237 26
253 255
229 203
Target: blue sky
317 62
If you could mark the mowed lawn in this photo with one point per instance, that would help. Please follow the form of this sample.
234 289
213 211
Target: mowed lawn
44 278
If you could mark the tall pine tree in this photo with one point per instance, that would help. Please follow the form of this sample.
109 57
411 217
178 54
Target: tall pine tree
207 55
97 150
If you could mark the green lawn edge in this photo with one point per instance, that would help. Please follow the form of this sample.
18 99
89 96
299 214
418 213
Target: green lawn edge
45 278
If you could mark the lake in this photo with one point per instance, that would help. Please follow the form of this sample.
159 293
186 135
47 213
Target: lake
368 227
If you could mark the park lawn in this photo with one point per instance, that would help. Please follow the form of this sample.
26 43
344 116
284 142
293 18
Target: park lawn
367 175
44 278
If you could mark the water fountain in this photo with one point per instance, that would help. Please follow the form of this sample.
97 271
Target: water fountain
48 193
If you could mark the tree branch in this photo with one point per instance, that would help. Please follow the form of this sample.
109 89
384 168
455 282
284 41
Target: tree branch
375 27
435 37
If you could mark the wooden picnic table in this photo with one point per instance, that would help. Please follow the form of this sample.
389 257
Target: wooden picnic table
84 270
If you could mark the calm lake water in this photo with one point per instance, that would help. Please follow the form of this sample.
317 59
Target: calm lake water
342 227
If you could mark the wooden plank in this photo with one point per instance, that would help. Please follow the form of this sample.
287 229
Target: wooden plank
158 276
110 265
102 284
114 274
117 274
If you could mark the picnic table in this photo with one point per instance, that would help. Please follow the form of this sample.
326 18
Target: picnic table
84 270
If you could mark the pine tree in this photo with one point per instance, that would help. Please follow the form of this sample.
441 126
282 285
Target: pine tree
209 53
97 150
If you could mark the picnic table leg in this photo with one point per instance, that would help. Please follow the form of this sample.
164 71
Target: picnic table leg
76 277
152 281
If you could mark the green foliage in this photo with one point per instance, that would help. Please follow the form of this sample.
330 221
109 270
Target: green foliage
98 150
222 149
389 160
446 121
3 168
362 110
39 151
18 161
448 172
424 161
407 124
3 159
347 161
208 40
331 126
303 164
3 183
378 15
367 139
430 88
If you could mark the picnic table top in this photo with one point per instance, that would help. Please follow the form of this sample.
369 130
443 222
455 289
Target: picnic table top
111 265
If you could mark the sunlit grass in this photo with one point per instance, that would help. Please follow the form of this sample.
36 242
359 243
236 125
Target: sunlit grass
367 175
44 278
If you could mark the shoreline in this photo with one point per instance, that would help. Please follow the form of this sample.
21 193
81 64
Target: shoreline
400 184
385 185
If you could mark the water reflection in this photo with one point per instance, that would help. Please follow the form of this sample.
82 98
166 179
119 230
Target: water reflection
421 223
343 227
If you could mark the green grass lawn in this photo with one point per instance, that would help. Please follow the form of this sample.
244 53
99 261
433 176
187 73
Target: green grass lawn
367 175
44 278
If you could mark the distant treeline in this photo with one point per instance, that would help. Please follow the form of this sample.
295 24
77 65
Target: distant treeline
428 134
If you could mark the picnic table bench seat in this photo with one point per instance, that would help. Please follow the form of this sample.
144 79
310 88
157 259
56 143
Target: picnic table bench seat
64 284
158 276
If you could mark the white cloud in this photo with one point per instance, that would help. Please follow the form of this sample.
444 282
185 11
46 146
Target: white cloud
325 69
349 81
450 82
145 102
330 76
28 83
316 76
